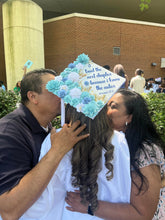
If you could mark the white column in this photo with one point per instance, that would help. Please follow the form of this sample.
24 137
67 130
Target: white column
23 38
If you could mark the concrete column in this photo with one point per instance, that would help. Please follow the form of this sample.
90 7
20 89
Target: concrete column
23 38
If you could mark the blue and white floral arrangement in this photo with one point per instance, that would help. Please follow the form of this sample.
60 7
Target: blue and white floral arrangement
67 87
80 83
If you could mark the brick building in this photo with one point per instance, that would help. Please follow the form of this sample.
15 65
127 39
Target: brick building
106 40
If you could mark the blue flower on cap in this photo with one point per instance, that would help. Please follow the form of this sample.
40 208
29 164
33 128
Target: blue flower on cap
86 100
73 91
100 104
68 70
83 58
54 86
86 83
75 102
67 99
64 79
74 85
62 93
71 65
91 109
85 94
65 73
69 83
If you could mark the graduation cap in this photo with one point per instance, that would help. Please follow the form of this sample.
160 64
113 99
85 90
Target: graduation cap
85 85
28 64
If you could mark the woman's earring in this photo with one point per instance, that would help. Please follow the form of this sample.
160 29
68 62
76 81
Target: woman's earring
126 123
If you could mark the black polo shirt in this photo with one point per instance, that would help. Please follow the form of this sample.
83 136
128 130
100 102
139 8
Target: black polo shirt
21 137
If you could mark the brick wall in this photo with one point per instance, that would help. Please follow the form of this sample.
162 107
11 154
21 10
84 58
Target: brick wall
140 44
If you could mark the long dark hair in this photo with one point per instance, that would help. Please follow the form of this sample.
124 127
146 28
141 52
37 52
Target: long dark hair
140 131
86 156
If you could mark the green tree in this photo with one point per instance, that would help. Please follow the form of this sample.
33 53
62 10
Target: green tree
144 4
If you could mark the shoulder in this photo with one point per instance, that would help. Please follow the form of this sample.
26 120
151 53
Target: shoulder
150 155
120 143
14 129
9 121
21 128
16 119
133 79
118 136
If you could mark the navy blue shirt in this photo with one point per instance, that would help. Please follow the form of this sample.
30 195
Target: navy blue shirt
21 137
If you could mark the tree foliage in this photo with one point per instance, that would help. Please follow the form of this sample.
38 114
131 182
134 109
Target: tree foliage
144 4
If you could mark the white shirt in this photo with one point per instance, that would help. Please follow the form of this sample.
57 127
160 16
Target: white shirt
51 204
137 84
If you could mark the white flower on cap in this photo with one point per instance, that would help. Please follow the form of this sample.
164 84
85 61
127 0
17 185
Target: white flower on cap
73 76
75 93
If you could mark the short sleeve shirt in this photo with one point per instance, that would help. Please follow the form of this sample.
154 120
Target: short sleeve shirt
137 84
154 155
21 137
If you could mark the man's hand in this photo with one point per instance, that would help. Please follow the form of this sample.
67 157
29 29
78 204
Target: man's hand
67 137
15 202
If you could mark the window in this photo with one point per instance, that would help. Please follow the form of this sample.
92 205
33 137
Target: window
116 50
162 63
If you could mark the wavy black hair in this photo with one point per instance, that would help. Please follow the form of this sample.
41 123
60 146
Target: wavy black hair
86 156
140 131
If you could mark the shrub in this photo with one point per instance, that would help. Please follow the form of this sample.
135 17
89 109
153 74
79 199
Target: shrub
8 102
57 122
156 105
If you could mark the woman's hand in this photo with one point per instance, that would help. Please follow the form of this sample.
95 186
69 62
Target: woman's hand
141 207
73 199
